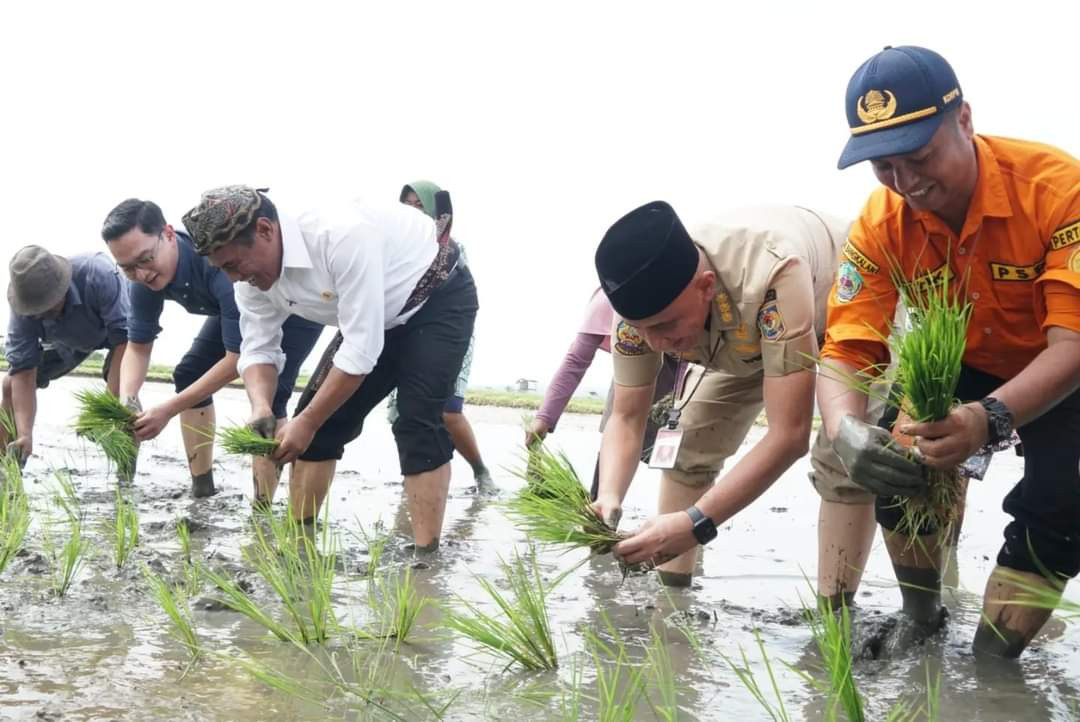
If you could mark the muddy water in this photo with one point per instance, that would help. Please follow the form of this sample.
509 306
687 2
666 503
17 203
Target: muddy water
104 651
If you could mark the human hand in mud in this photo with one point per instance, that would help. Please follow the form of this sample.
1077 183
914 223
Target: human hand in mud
265 425
294 436
149 424
947 443
21 448
535 432
609 509
658 540
875 461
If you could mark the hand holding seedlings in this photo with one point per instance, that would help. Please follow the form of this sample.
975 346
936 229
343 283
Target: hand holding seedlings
875 461
947 443
658 540
264 425
293 437
148 424
609 509
20 449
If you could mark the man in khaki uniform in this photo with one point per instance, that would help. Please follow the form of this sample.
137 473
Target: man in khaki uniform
744 299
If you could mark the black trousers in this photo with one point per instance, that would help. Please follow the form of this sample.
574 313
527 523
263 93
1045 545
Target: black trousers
421 359
1045 504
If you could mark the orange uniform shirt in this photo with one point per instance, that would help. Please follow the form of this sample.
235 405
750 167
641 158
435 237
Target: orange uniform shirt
1018 252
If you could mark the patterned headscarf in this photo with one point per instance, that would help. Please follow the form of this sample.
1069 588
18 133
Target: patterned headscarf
222 215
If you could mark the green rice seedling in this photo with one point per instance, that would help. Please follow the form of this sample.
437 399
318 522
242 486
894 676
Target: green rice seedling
105 421
374 542
554 507
773 701
620 683
522 631
183 535
663 692
832 635
240 601
192 580
67 558
571 699
124 529
245 441
397 606
174 602
7 422
928 356
14 510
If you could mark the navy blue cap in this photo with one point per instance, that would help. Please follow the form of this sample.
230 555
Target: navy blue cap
895 102
645 260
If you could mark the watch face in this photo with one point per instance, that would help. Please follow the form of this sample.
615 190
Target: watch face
704 530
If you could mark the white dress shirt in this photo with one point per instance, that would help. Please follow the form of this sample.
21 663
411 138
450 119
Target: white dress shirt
351 265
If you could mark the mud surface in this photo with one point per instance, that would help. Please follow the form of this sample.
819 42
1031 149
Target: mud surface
105 652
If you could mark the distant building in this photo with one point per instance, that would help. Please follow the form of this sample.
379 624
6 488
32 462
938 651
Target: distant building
526 385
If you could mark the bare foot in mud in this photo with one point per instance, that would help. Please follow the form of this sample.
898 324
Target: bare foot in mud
892 635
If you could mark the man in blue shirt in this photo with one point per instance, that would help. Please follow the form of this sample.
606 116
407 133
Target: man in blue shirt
163 265
62 310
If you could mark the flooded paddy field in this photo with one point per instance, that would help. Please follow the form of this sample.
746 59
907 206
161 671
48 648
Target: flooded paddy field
105 651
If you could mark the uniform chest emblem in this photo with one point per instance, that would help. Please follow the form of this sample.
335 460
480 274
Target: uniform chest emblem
848 282
723 306
770 322
328 295
628 341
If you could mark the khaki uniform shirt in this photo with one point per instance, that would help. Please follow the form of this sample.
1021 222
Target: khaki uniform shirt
774 270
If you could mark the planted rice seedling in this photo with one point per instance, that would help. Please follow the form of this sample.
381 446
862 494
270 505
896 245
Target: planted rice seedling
192 580
300 572
105 421
554 507
662 692
245 441
832 634
771 701
521 631
124 529
67 559
397 606
174 602
620 683
14 510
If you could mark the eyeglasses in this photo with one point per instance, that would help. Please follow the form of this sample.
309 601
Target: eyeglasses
144 260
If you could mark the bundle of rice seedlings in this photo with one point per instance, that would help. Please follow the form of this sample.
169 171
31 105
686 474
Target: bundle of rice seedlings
245 441
14 510
106 422
928 357
554 508
521 631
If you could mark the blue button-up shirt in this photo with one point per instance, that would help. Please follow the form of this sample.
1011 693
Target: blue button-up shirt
200 288
94 316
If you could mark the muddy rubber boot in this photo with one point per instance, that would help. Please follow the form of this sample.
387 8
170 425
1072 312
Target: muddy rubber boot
1009 622
202 485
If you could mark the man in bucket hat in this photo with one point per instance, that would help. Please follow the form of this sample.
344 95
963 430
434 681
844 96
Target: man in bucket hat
62 310
404 308
1000 218
743 298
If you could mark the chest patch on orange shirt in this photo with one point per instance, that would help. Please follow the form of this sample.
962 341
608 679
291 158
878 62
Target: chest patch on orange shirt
1008 272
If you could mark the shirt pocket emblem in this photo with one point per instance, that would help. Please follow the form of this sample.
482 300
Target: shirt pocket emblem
328 295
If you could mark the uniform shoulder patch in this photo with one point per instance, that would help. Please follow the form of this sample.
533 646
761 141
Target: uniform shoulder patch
770 322
1065 236
848 282
859 259
1074 261
628 341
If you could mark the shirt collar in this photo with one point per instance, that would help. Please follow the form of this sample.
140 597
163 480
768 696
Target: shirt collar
989 199
294 251
185 258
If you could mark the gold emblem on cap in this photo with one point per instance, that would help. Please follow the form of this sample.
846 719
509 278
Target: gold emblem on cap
876 106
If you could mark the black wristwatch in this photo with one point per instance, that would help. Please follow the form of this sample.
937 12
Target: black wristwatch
704 528
999 420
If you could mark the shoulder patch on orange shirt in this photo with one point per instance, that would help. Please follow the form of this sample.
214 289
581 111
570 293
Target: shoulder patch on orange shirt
1065 236
857 257
1074 261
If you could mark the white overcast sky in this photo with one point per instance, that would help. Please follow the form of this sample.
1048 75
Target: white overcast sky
545 120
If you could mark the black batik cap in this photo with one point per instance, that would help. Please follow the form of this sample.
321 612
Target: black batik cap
645 260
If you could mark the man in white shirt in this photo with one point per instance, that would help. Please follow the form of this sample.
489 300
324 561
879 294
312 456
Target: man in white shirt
405 309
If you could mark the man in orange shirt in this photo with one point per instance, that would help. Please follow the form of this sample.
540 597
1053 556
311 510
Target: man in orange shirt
1002 218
